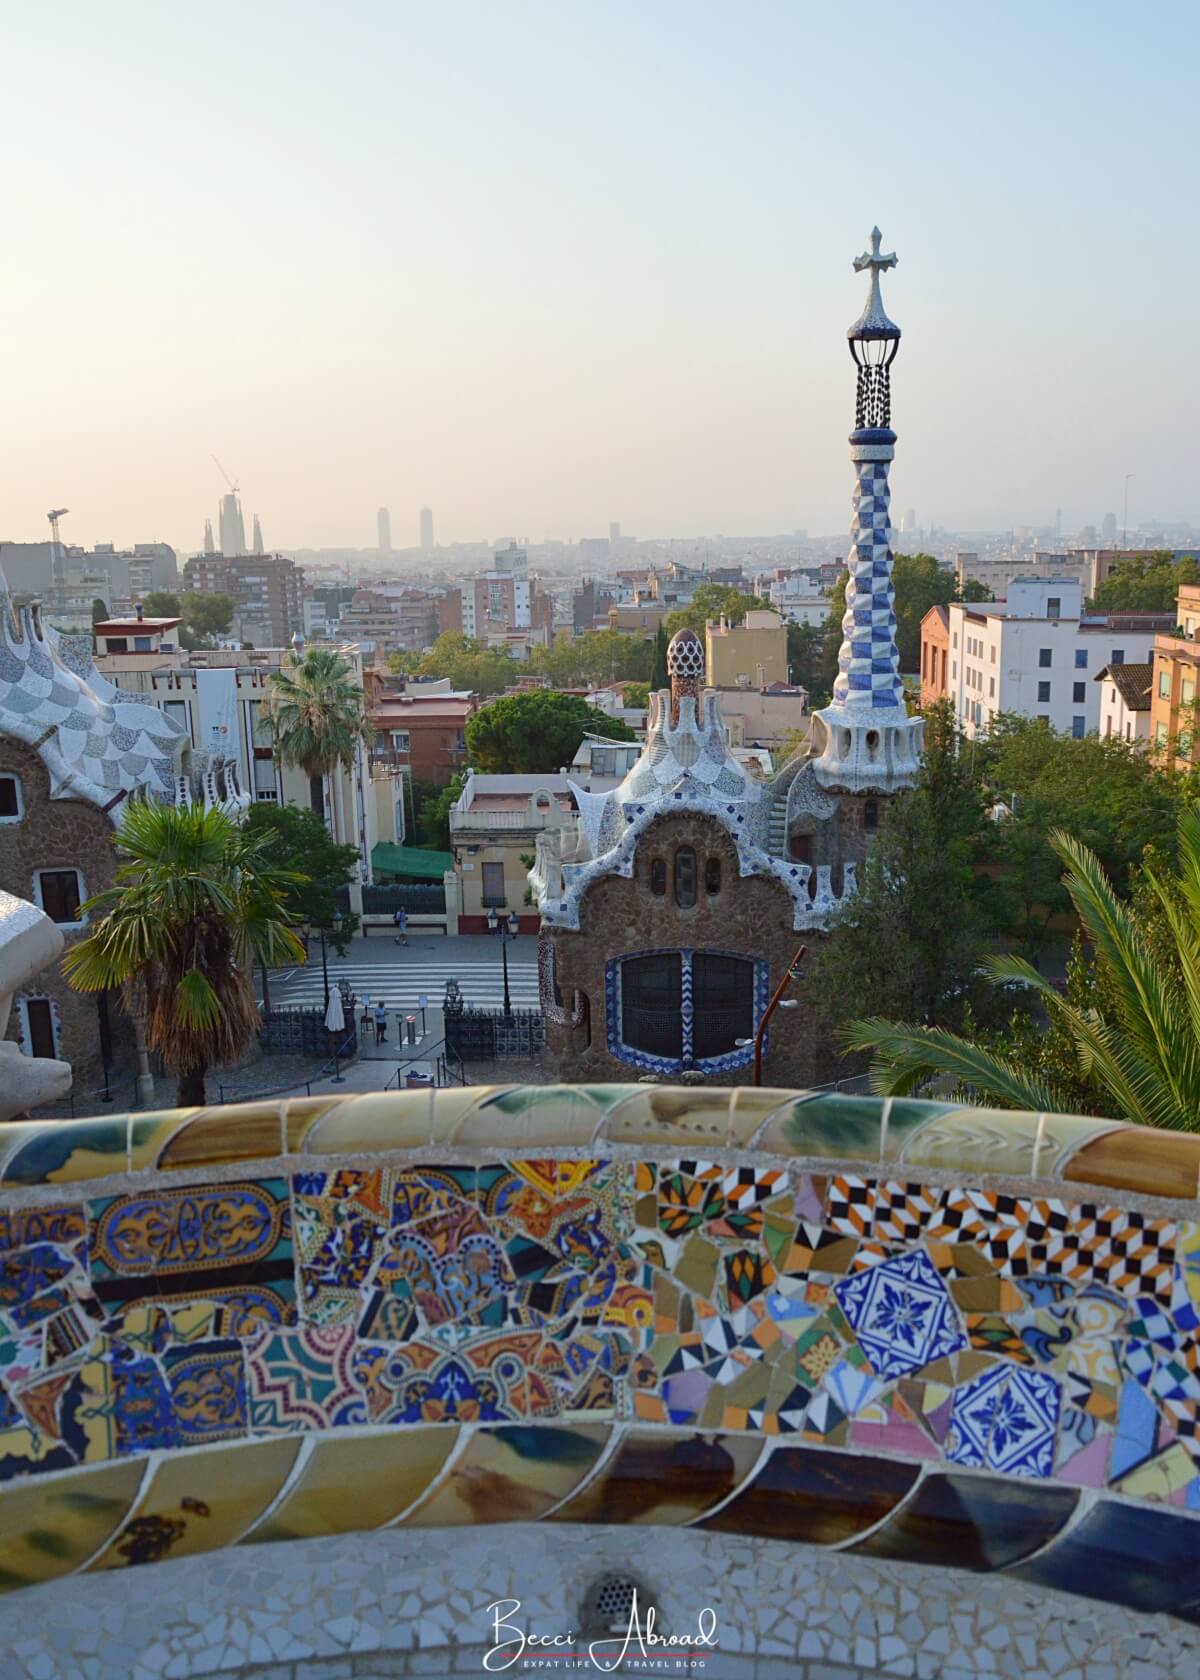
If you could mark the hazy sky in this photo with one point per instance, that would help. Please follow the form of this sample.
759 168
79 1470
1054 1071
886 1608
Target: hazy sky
547 265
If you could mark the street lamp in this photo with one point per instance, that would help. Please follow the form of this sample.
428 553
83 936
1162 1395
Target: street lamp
778 1001
338 920
508 927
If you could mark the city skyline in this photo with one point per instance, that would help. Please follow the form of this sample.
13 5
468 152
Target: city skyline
539 325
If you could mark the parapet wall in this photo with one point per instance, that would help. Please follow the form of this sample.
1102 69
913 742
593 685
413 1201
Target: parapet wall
948 1337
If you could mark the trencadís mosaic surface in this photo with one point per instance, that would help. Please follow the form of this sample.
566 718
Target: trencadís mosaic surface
948 1335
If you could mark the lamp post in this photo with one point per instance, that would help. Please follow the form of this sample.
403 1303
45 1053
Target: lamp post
778 1001
508 927
338 919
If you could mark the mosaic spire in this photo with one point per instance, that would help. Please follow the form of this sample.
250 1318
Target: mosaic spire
868 689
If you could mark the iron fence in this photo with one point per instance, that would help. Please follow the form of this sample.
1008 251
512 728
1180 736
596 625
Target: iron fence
487 1035
427 900
302 1032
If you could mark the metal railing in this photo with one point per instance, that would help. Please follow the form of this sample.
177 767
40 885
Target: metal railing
344 1052
443 1056
119 1095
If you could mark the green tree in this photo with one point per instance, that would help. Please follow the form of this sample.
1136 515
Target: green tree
804 644
637 694
972 590
1145 582
297 843
1137 1052
711 601
913 936
317 717
161 603
433 814
469 665
536 731
1109 794
99 610
195 902
658 674
205 617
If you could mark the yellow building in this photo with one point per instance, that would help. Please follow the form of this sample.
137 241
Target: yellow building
1174 708
752 654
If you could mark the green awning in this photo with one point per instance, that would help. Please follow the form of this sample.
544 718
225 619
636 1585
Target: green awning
409 861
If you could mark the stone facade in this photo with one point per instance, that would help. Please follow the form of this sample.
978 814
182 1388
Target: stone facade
61 834
621 915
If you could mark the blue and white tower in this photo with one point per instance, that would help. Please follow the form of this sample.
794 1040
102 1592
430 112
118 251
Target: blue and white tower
865 742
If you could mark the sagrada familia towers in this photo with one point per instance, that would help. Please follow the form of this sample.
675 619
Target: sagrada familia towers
668 919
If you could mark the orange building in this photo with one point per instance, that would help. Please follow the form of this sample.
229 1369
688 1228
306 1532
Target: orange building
935 655
1174 708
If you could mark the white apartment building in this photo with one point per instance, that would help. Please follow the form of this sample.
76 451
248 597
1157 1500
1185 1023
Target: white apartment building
799 598
1036 654
1125 702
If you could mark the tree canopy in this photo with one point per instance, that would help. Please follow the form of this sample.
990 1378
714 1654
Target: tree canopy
468 664
536 731
712 601
597 657
204 617
99 609
1145 582
298 843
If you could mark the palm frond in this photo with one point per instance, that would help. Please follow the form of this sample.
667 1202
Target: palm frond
905 1057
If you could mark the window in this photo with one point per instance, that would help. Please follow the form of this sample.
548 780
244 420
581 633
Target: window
1184 744
267 796
723 992
992 651
1079 693
1160 735
1053 606
604 761
1043 693
648 1025
1045 657
1081 659
39 1028
493 887
12 808
954 639
871 815
116 644
399 740
685 877
60 893
954 670
178 710
1117 657
651 994
142 644
1164 683
1187 690
712 875
1108 725
991 688
1078 727
658 877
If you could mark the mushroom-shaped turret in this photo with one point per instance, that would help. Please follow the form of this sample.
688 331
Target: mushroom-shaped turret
685 667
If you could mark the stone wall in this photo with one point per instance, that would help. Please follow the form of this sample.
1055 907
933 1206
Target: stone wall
750 916
66 834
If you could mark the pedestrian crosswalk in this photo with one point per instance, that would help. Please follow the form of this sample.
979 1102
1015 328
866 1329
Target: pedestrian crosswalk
400 984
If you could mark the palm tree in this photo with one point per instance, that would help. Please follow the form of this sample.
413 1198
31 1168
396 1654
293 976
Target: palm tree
193 904
1140 1054
317 717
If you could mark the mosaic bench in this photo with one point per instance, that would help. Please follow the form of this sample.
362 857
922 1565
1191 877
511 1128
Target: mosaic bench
910 1331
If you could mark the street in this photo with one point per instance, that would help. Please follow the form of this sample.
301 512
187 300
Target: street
397 975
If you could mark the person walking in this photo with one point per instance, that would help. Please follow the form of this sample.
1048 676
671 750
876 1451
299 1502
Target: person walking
400 923
380 1024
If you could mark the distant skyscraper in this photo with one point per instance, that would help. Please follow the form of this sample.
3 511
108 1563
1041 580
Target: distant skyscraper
231 526
209 545
1109 528
258 542
426 529
383 522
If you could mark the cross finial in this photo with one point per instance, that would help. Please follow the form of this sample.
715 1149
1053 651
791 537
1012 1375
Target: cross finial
871 259
873 322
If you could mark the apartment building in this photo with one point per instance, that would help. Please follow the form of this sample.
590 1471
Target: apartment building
1036 652
1125 702
1175 682
935 655
751 654
421 735
268 589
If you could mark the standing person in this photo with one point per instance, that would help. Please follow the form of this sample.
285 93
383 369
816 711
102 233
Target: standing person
400 923
380 1024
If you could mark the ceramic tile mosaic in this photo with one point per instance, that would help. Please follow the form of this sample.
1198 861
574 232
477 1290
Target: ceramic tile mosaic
587 1316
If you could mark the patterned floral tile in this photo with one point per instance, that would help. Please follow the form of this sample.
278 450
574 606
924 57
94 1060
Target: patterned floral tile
1006 1420
902 1314
303 1379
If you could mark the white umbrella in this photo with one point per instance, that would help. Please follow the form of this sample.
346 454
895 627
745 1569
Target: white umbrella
335 1019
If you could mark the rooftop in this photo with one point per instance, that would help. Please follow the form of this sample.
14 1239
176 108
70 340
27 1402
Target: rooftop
1132 682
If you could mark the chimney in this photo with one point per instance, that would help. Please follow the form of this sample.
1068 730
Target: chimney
138 612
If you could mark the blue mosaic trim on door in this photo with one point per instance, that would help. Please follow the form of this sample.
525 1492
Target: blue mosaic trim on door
667 1064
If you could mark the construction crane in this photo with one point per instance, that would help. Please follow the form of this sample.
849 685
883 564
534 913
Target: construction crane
57 569
233 487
